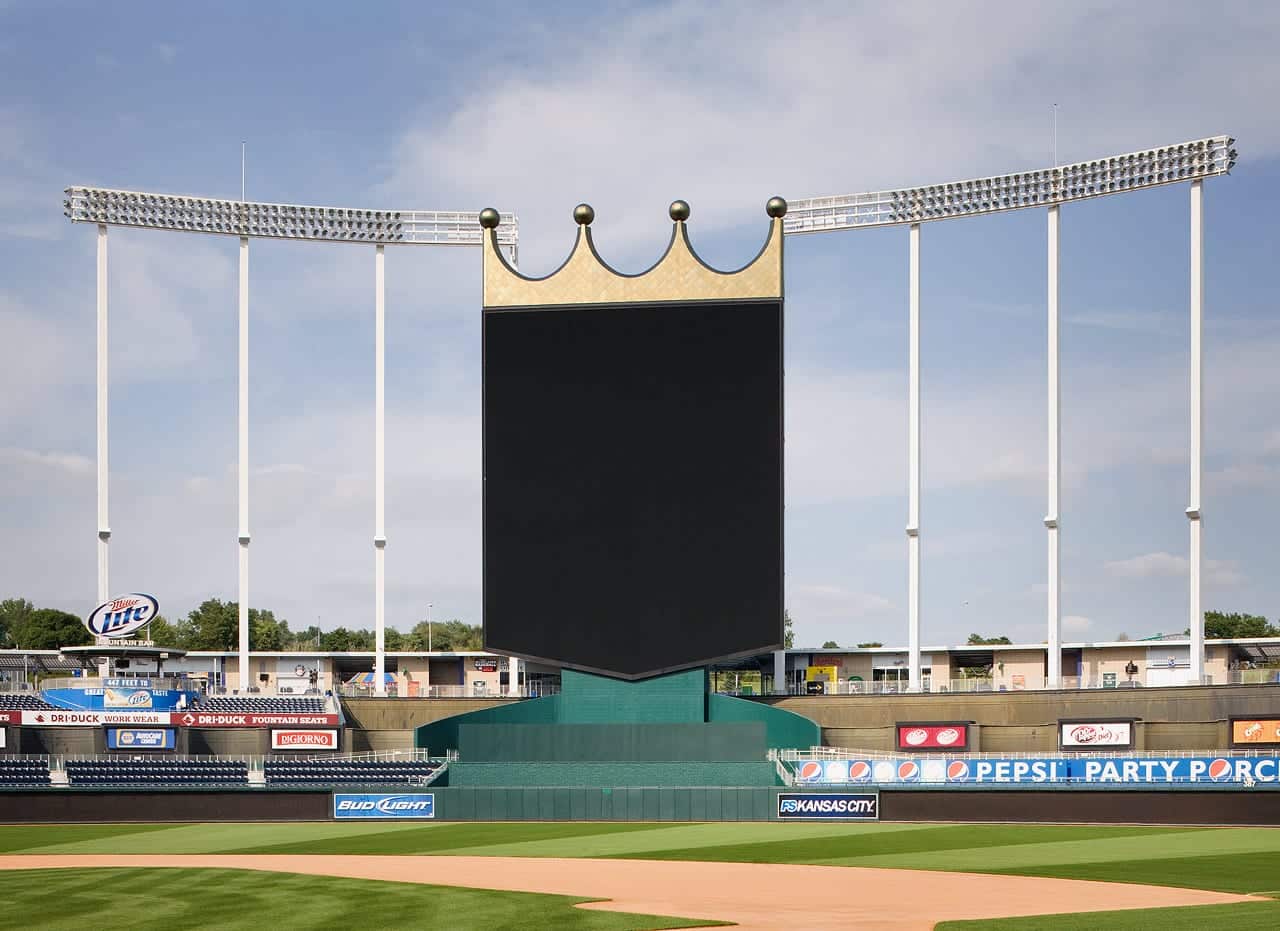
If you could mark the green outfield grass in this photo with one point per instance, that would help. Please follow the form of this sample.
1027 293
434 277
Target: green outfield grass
1244 860
178 898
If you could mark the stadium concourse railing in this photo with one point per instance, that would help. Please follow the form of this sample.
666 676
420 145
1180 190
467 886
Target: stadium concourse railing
449 691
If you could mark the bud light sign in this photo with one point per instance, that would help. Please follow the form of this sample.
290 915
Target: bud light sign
122 616
843 806
397 807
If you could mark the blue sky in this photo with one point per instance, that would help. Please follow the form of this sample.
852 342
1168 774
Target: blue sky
534 108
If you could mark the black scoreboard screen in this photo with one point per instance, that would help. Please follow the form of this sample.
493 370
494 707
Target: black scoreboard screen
633 483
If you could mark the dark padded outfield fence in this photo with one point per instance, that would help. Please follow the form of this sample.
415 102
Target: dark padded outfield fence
661 804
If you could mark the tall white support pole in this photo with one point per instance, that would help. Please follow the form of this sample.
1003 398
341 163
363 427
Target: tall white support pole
243 467
1051 519
104 525
379 472
779 672
1197 417
913 469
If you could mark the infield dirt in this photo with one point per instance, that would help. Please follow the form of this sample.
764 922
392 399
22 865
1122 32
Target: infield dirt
753 895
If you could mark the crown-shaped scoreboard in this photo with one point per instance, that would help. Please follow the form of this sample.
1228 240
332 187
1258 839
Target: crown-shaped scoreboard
633 457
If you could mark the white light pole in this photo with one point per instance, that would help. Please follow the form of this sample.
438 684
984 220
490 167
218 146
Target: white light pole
379 471
242 470
428 628
104 449
913 466
1054 588
1197 418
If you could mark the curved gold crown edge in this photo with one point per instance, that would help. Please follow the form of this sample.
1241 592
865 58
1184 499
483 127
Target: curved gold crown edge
584 277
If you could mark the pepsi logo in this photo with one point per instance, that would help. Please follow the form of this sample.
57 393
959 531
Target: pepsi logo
957 771
809 769
122 616
859 771
1219 769
909 771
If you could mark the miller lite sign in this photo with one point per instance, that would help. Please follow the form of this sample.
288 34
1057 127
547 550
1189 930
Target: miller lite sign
123 615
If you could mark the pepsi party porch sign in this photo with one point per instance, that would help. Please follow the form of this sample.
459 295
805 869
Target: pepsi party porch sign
938 735
1143 770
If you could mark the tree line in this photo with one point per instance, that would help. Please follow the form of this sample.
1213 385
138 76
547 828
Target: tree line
215 625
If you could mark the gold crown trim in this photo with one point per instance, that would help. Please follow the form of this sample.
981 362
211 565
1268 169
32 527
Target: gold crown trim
680 275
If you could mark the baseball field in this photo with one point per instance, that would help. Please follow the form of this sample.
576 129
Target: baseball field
638 876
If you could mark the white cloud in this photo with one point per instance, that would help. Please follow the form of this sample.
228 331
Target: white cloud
62 461
1075 624
1169 565
725 103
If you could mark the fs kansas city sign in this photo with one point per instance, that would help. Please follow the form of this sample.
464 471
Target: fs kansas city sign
123 615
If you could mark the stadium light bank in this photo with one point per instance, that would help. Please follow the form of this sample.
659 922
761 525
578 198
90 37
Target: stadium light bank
251 220
1050 188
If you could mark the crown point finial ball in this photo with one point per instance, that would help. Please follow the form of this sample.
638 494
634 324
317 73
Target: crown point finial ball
584 214
678 211
776 208
489 218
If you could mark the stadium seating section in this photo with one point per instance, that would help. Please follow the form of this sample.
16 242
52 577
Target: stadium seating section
158 772
21 701
261 705
20 772
303 772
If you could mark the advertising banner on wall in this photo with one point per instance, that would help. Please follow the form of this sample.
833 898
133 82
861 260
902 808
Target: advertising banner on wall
384 807
11 717
126 698
245 719
936 735
136 738
1255 732
1084 735
304 740
1144 770
833 806
46 717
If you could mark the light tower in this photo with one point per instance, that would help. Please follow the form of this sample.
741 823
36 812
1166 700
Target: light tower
249 220
1049 188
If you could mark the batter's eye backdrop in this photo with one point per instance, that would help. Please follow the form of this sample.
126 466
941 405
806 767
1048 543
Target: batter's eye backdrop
633 484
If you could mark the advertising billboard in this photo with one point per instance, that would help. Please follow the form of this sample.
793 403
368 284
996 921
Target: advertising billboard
122 616
304 740
46 717
257 719
351 806
126 698
830 806
1135 770
1104 735
137 738
1255 732
933 735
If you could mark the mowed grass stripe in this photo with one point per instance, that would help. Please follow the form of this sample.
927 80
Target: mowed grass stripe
217 837
164 899
28 838
1240 916
906 849
1099 847
1252 873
